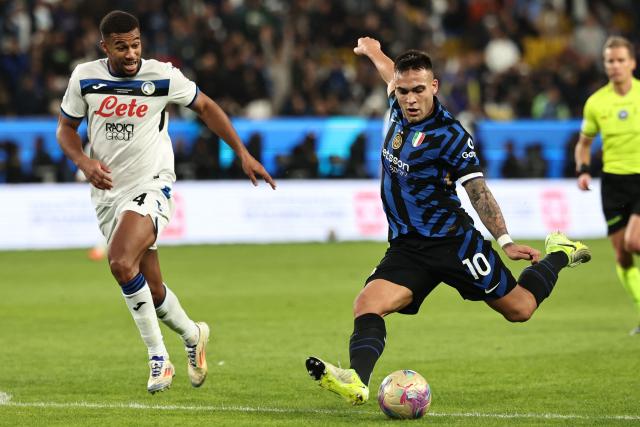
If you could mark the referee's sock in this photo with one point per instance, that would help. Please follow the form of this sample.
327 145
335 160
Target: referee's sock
366 344
539 279
630 279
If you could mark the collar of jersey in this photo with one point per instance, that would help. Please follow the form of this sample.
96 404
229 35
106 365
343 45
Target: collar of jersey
123 76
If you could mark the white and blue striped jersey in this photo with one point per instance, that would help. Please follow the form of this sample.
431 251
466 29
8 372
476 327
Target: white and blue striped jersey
126 120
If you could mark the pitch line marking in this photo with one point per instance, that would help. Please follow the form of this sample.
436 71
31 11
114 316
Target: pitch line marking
5 400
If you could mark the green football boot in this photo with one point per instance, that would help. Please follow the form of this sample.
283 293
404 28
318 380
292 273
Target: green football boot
343 382
577 252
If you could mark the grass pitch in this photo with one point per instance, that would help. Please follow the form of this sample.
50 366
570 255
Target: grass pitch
71 355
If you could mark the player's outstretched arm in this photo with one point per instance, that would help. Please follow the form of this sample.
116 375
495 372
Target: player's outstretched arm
583 158
69 140
370 48
491 216
218 121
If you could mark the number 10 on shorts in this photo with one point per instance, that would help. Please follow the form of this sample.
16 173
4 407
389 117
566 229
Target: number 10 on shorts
477 265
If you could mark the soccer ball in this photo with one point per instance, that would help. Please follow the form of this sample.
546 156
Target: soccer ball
404 394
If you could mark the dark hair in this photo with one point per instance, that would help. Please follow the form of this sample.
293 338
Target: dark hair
118 22
412 60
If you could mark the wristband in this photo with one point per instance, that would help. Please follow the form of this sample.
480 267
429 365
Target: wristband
504 240
584 168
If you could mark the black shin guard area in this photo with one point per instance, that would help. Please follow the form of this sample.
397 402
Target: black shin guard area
366 344
539 279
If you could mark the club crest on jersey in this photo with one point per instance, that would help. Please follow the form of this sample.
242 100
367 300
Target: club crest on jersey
397 141
148 88
623 114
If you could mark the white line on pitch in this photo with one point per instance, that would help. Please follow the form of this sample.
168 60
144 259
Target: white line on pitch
5 401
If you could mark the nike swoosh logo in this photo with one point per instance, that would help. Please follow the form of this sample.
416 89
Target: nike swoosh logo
488 291
567 245
140 304
99 85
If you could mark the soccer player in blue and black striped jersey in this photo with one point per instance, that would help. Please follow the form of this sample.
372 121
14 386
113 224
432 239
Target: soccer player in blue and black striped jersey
431 238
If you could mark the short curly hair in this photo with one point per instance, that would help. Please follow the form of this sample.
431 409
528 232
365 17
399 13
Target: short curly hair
117 22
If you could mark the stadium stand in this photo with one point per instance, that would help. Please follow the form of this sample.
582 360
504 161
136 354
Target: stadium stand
498 60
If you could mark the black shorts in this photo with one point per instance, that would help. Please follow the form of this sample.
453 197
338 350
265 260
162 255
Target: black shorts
620 199
467 262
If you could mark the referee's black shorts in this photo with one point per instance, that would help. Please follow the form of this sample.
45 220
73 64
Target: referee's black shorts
620 199
467 262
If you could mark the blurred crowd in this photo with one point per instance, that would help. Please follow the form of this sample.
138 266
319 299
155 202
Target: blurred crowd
497 59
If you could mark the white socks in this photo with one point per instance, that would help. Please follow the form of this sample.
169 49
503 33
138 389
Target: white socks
141 308
173 315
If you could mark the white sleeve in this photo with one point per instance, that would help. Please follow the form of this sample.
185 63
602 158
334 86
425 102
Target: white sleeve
73 104
182 91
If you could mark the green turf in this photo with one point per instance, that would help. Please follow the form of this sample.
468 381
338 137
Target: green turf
67 339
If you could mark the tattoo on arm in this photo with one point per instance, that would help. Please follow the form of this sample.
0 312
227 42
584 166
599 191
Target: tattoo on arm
486 206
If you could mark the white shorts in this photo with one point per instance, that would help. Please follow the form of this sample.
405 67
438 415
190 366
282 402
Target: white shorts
153 199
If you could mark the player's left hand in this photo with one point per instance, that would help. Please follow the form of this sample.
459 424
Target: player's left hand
252 167
516 252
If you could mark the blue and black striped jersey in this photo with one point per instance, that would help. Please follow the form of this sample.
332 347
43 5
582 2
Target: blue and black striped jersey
420 164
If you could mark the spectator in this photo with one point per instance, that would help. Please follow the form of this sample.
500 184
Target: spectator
535 165
254 147
303 161
356 166
569 168
12 167
183 162
511 167
43 167
205 157
548 105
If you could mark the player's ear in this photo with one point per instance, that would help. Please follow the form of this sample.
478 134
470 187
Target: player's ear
103 46
435 84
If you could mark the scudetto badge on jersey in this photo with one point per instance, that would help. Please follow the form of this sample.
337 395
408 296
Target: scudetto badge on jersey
397 141
148 88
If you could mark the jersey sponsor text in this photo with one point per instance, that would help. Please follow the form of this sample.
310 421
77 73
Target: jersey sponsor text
110 106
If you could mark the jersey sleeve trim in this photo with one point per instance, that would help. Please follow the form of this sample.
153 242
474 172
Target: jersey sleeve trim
194 97
69 116
470 176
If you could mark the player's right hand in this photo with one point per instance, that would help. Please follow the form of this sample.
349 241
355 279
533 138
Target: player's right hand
517 252
366 45
96 173
584 182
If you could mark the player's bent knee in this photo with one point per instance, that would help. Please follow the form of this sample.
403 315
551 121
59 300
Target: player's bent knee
518 316
365 303
632 246
122 269
381 300
521 312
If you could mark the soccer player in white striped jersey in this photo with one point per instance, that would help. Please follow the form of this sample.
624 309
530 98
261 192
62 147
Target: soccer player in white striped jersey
130 168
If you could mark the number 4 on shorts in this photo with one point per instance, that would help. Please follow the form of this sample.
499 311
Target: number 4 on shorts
140 199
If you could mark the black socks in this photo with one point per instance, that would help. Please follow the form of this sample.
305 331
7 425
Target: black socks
366 344
539 279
